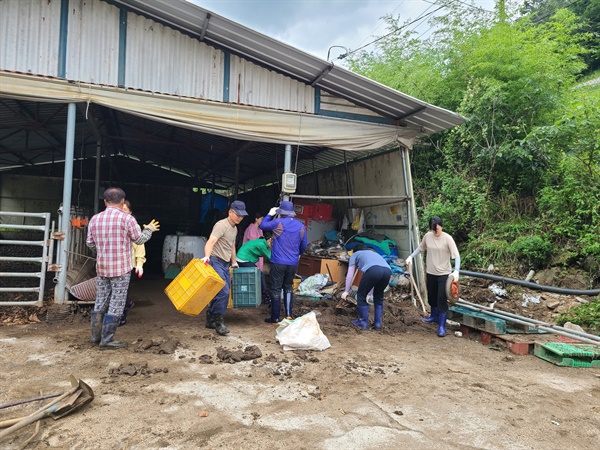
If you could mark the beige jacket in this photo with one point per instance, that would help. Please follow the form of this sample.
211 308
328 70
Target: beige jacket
138 254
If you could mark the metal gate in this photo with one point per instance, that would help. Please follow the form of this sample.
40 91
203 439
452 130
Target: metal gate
46 244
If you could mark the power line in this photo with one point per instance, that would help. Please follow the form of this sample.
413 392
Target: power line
381 23
389 34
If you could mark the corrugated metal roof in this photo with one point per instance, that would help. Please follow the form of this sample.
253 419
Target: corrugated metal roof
32 140
224 33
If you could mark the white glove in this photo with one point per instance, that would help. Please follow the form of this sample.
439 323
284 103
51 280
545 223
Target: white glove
140 271
206 259
153 226
235 265
273 211
409 260
455 275
344 295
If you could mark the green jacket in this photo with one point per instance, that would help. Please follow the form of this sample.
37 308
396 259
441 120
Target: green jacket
252 250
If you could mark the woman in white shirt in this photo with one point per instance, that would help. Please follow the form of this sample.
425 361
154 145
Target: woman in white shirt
440 249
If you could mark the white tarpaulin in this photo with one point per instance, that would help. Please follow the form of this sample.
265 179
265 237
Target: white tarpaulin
222 119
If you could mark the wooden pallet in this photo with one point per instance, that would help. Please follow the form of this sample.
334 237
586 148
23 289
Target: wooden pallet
491 324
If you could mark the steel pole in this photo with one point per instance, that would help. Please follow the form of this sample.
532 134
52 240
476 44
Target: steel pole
60 293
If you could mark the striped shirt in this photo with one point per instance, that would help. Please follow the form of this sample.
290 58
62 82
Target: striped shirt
110 234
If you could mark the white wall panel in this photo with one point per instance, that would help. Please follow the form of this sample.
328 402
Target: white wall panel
380 175
160 59
29 36
252 85
93 42
342 106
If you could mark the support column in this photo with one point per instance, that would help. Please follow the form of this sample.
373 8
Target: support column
287 165
97 178
60 291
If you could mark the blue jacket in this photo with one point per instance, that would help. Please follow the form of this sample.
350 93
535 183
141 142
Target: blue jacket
289 239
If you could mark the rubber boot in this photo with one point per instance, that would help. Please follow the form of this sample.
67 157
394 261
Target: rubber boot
289 305
210 320
441 332
363 317
378 315
109 328
266 298
275 310
434 316
128 306
220 327
97 318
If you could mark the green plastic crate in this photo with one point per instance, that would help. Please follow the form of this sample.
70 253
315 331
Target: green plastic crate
573 355
245 287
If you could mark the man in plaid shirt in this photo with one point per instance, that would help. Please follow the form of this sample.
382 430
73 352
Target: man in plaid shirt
110 234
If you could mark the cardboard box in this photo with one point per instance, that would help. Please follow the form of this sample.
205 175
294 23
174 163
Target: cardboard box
336 269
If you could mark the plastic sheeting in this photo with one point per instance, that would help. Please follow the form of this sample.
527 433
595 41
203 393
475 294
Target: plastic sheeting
222 119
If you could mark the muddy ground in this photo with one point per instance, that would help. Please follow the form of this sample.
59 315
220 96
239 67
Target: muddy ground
180 386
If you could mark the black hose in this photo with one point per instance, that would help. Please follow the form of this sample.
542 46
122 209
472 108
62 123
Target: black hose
531 285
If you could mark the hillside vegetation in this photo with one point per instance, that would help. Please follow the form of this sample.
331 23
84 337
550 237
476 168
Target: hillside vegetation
518 184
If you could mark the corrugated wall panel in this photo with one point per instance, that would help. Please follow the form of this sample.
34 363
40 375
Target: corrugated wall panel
93 42
250 84
160 59
340 105
29 32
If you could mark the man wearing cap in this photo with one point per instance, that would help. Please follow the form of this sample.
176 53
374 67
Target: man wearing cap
289 242
219 251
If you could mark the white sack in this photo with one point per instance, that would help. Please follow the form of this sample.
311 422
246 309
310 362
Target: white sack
302 333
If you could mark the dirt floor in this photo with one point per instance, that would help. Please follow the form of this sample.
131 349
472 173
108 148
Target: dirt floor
180 386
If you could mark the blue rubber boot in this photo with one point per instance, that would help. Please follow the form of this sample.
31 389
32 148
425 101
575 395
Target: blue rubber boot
109 328
363 317
97 318
433 317
378 316
441 332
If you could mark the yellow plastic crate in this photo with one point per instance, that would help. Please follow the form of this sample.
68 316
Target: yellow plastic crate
196 285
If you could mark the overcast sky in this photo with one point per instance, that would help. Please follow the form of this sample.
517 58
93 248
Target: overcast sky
315 25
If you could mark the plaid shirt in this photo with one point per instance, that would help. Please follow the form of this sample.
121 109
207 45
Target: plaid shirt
110 234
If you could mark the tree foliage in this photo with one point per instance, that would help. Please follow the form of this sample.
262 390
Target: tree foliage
529 145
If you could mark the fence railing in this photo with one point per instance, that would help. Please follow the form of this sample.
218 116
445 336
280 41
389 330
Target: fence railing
17 271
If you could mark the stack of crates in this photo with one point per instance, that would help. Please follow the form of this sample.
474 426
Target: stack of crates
194 287
245 287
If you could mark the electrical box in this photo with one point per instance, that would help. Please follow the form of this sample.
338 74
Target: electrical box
288 183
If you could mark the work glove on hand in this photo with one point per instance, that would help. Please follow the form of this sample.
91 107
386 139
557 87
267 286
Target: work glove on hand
153 226
455 275
235 265
273 211
409 261
345 295
206 260
140 271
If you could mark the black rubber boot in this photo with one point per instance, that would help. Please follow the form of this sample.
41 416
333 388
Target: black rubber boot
288 298
275 310
433 317
109 328
210 320
97 318
220 327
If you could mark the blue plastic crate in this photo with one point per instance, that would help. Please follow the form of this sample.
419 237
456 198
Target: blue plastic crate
245 287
